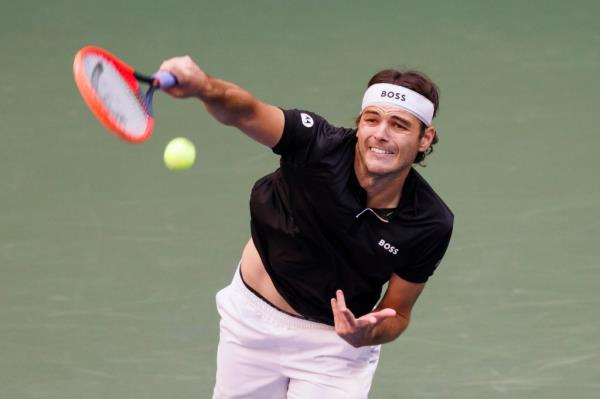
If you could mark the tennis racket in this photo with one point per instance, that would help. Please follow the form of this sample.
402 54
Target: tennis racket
111 89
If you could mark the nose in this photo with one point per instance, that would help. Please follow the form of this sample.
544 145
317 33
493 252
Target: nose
381 132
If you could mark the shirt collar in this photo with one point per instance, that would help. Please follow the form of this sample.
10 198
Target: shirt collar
406 206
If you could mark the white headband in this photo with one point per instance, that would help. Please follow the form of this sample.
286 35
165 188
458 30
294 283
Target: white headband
400 96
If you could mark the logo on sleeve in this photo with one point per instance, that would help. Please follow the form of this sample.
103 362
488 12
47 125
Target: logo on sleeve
387 246
307 120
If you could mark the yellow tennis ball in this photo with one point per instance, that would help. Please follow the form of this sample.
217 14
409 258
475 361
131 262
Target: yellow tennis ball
180 154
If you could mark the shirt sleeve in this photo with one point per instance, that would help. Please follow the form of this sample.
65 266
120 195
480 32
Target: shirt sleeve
306 136
427 254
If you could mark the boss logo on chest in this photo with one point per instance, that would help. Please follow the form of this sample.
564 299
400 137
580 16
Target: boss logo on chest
387 246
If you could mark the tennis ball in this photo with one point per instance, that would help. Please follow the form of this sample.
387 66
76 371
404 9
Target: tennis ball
180 154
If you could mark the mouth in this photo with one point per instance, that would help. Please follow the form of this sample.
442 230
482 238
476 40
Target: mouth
380 151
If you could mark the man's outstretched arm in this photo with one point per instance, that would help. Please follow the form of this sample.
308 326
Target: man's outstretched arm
226 102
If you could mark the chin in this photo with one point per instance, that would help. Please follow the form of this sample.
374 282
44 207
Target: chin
376 168
382 168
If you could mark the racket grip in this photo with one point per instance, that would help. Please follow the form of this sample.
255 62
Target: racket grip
165 79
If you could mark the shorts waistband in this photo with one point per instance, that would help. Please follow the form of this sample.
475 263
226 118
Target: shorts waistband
270 311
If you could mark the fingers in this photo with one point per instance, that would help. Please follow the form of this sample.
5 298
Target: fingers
345 315
377 317
339 294
342 316
385 313
352 330
335 311
344 319
190 78
178 65
356 331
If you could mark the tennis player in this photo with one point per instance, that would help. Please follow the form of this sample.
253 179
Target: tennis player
344 214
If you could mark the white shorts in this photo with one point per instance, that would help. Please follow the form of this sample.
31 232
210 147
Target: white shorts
267 354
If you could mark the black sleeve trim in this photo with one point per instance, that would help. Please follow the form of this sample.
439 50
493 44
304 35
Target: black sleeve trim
283 142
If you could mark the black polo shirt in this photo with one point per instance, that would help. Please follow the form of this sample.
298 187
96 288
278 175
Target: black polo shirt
314 235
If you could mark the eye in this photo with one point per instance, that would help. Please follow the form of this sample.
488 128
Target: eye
399 126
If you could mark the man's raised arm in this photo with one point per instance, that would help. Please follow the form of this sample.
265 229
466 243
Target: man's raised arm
226 102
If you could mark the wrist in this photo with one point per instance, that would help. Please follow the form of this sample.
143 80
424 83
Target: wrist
203 86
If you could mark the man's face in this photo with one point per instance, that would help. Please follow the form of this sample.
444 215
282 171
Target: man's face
389 139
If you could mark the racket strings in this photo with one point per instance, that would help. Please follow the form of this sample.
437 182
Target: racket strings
128 108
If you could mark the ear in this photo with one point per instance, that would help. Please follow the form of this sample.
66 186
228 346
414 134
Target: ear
357 121
427 138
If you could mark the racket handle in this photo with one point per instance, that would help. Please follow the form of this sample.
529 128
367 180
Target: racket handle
165 79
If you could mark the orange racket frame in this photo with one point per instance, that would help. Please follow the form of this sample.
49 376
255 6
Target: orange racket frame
95 104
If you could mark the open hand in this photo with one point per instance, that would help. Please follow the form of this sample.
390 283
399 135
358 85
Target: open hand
357 332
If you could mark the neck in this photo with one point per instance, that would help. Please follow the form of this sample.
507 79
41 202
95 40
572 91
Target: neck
383 191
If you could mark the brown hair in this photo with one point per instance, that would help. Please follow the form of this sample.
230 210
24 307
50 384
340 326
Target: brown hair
416 81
